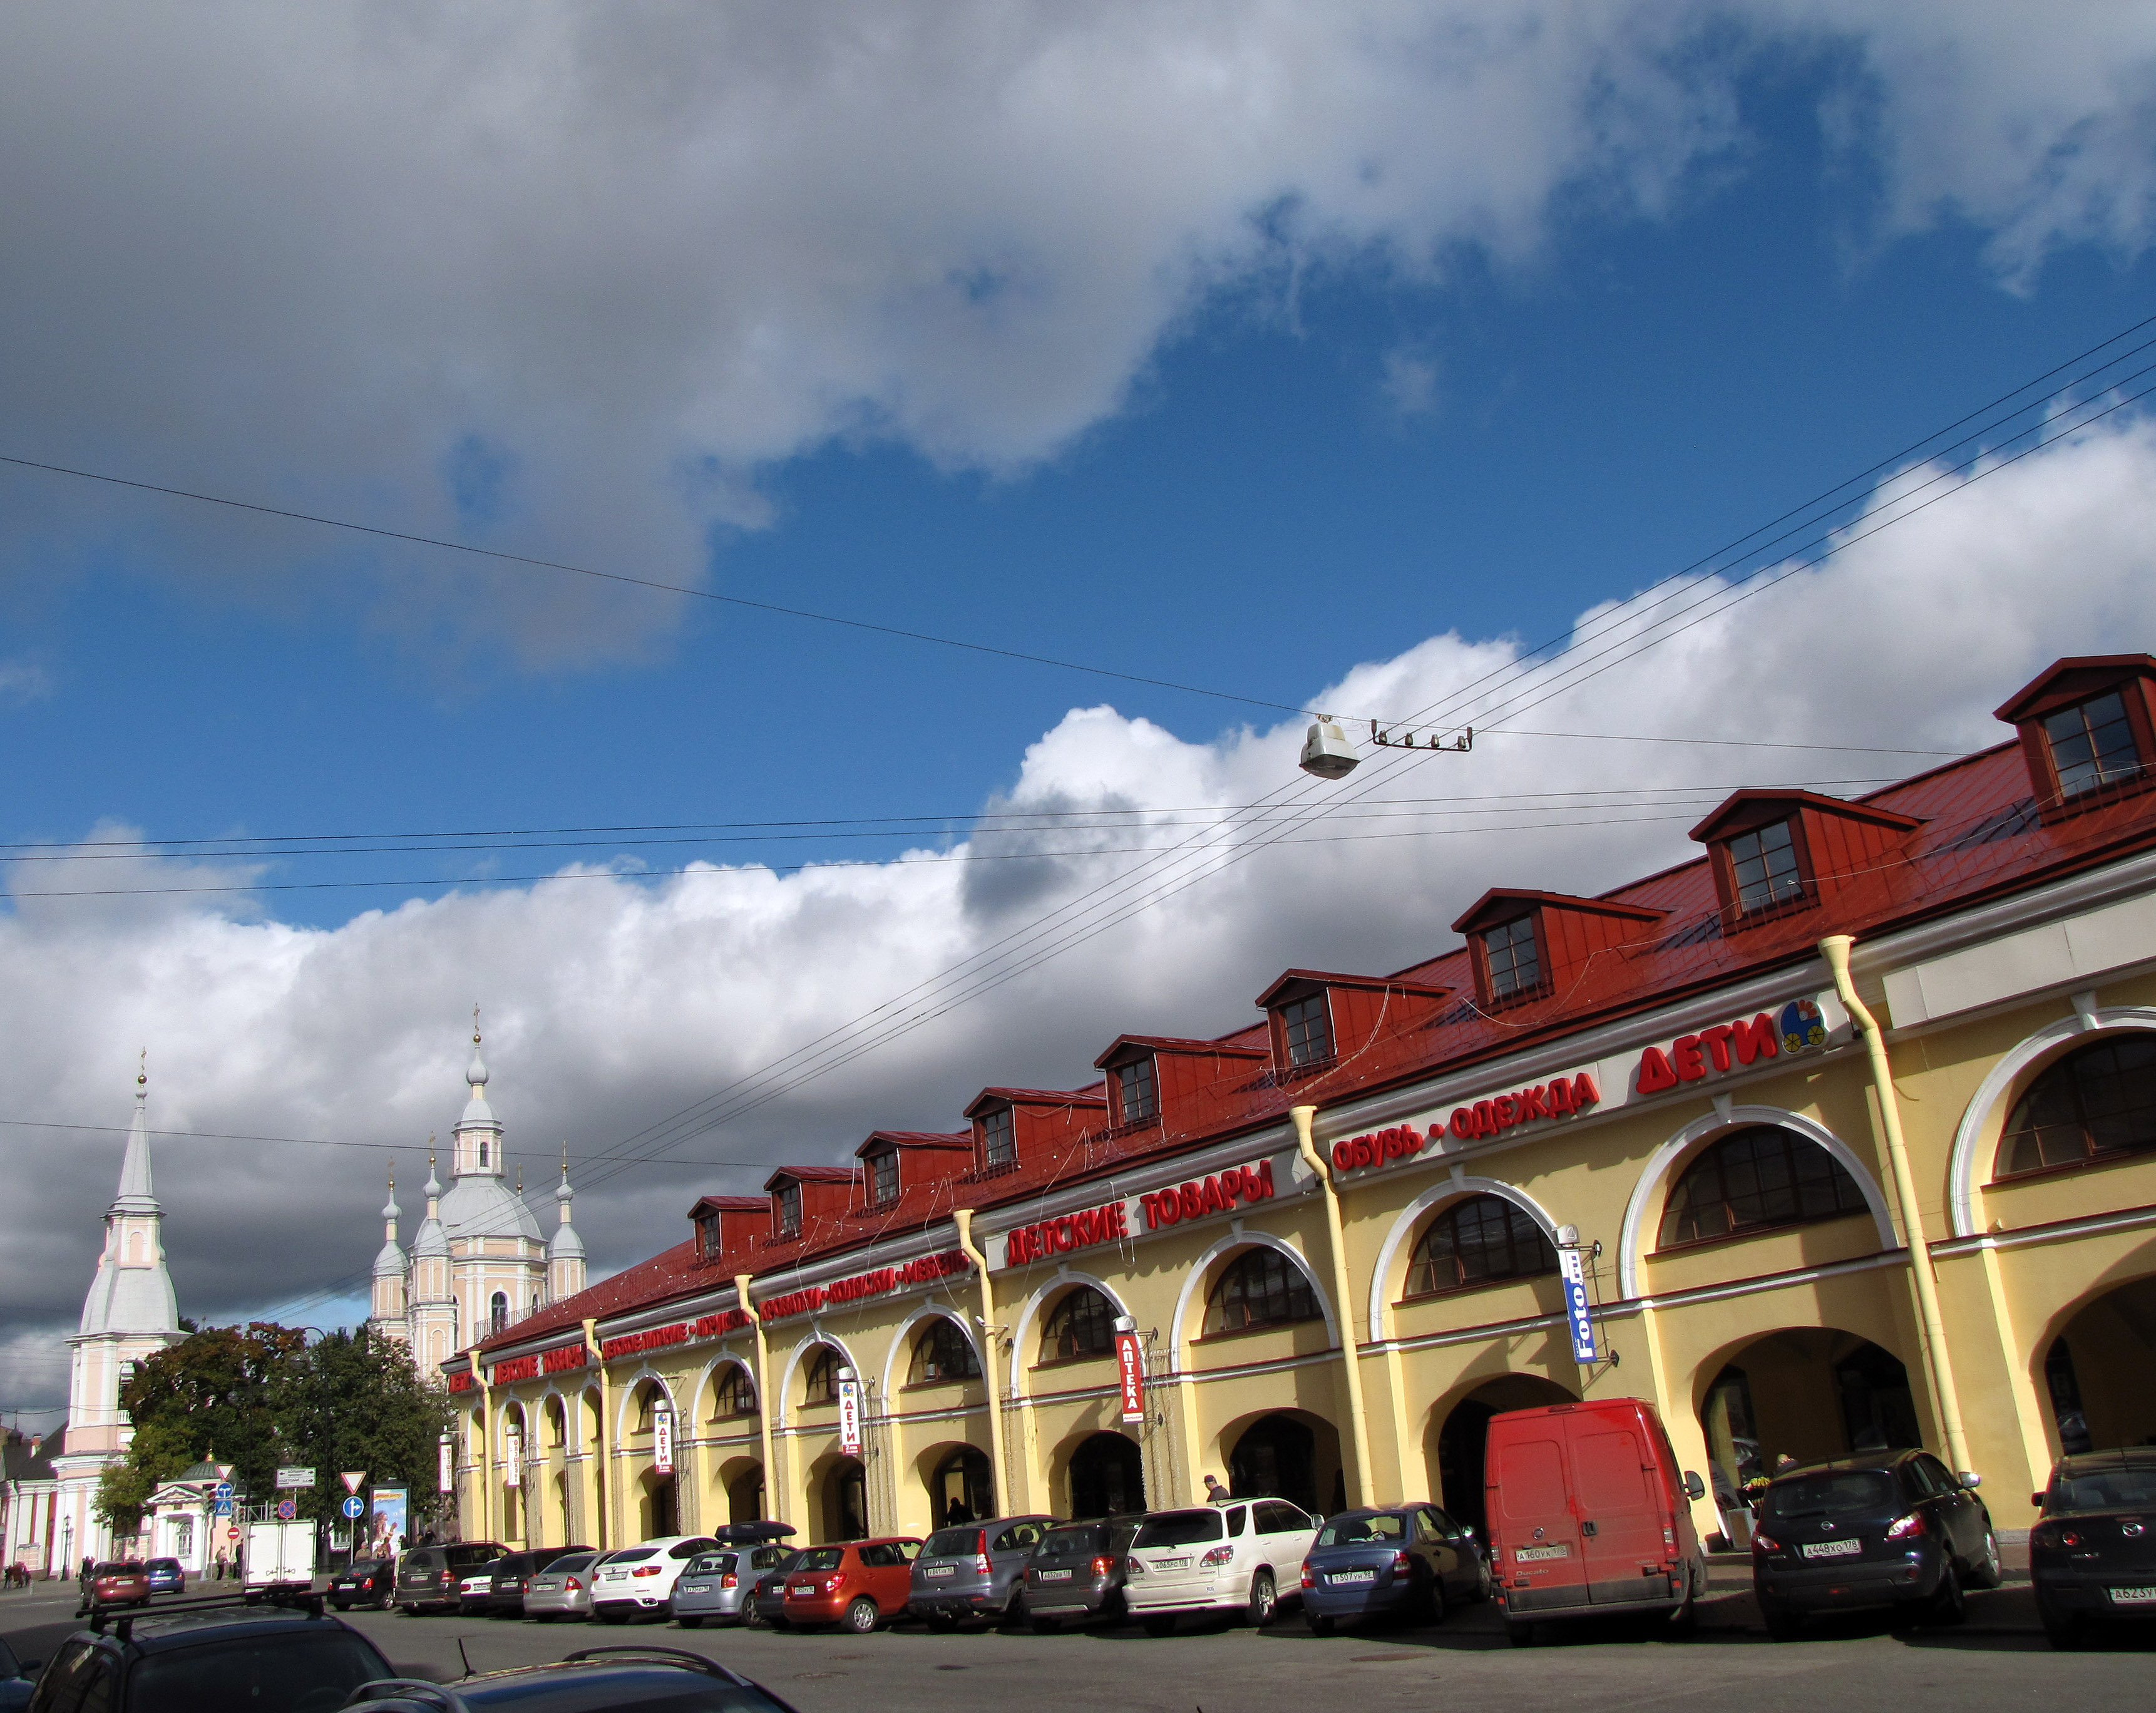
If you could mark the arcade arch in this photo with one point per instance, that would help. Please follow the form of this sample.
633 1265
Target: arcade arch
960 1482
1454 1438
1097 1474
1290 1454
2092 1369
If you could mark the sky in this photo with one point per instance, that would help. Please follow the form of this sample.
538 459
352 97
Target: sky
1383 359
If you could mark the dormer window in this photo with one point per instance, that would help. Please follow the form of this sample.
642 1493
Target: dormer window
1307 1029
708 1240
999 1142
1764 863
786 1209
2092 744
1515 966
883 1178
1136 1091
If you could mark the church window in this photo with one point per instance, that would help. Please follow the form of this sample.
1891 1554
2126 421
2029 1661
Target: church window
501 1312
482 1153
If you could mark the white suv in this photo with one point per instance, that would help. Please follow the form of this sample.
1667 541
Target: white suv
638 1582
1230 1557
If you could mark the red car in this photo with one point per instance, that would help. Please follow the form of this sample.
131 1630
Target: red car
120 1583
861 1584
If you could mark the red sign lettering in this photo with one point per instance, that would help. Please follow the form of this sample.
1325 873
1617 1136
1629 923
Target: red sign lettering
1554 1099
1690 1055
1130 1373
1214 1195
1381 1147
1103 1224
924 1270
461 1382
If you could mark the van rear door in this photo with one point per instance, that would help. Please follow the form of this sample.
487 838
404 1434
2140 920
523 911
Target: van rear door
1623 1509
1530 1492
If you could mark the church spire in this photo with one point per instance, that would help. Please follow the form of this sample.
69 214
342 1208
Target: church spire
564 1250
132 1293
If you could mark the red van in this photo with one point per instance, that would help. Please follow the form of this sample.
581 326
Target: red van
1589 1516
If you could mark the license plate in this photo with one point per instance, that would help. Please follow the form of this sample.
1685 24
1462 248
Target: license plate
2134 1597
1171 1564
696 1588
1528 1555
617 1575
1340 1577
1061 1576
1831 1549
942 1570
802 1590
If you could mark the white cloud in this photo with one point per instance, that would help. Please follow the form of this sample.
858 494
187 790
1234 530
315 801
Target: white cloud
569 280
611 1002
25 681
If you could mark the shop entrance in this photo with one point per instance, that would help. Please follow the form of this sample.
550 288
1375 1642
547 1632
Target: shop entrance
1283 1456
960 1490
659 1516
745 1496
1460 1439
2096 1372
846 1486
1108 1477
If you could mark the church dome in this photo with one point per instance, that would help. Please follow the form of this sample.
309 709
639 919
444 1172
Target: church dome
204 1472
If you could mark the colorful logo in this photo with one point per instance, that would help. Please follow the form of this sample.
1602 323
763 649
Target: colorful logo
1803 1028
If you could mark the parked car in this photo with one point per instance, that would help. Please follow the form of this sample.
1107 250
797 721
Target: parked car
1589 1516
505 1596
595 1677
365 1582
428 1578
1225 1558
563 1589
215 1651
638 1582
1076 1574
1403 1561
765 1602
862 1584
1890 1528
716 1585
975 1570
17 1679
475 1586
2092 1556
167 1577
119 1582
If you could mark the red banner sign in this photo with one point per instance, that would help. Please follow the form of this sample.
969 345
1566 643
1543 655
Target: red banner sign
1381 1147
514 1368
563 1357
924 1270
1553 1099
1103 1224
1217 1194
461 1382
1691 1056
1130 1374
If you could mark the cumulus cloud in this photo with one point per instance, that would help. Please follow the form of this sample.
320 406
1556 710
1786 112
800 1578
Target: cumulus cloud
570 280
614 1001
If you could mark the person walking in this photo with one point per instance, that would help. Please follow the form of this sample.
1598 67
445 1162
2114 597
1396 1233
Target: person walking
1215 1492
220 1564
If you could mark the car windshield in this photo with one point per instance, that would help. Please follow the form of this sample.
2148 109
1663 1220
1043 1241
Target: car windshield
1086 1537
461 1557
294 1673
2103 1490
1352 1531
574 1562
1833 1494
711 1564
950 1543
823 1558
1179 1528
632 1554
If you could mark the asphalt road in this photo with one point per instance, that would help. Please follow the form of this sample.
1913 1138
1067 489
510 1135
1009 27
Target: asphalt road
1998 1659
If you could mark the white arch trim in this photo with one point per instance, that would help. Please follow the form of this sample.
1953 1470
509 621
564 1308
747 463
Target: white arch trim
1065 1279
901 1340
1647 1191
1193 1281
721 1358
1448 1190
628 1390
1965 1165
781 1412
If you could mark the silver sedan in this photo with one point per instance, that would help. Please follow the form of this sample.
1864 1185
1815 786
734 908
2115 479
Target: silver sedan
716 1583
563 1589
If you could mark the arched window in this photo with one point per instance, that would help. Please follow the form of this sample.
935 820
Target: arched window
500 1311
2094 1103
1754 1180
1476 1241
822 1385
1261 1287
942 1352
482 1153
735 1394
649 1400
1083 1325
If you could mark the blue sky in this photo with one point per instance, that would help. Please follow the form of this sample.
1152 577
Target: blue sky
1403 364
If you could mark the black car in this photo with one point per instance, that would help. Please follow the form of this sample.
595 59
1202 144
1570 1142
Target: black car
766 1602
209 1655
1890 1528
596 1677
17 1676
429 1578
505 1594
2092 1557
1400 1561
1076 1574
366 1582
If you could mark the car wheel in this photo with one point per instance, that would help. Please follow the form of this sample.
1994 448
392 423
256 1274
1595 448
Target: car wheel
1484 1586
1520 1632
1987 1573
1014 1614
1160 1626
1433 1601
1265 1600
751 1615
862 1617
1948 1605
1783 1624
342 1605
1321 1626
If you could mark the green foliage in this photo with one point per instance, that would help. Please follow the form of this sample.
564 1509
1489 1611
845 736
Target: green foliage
355 1402
216 1389
159 1453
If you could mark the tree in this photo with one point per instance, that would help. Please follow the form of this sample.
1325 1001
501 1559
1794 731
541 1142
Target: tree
356 1401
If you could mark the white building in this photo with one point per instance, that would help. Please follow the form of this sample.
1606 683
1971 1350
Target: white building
478 1264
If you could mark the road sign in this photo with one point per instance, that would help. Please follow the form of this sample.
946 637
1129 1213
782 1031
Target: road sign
223 1508
231 1534
287 1510
354 1507
353 1480
295 1478
222 1493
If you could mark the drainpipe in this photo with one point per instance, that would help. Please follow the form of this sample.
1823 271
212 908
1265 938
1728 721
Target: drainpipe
964 1215
604 1486
485 1472
1357 1419
1835 948
771 1482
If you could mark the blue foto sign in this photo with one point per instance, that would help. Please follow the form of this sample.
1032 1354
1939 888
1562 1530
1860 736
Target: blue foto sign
1574 1275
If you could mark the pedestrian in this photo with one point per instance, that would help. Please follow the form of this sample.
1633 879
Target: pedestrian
220 1564
1215 1492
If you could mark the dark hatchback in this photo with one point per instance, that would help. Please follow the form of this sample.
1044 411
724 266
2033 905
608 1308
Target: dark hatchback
2092 1556
1404 1561
632 1679
766 1602
505 1594
1076 1574
209 1656
428 1578
366 1582
1891 1529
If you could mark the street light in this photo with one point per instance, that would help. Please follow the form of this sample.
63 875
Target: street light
1326 753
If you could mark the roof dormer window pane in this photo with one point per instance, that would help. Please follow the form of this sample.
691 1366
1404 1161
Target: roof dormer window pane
2091 744
1765 862
883 1177
1308 1025
788 1202
1141 1098
1514 964
998 1146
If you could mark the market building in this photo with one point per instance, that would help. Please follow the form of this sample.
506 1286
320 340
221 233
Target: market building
1848 1125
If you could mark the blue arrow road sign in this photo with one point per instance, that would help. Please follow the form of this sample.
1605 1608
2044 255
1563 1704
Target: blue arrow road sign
222 1493
354 1506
